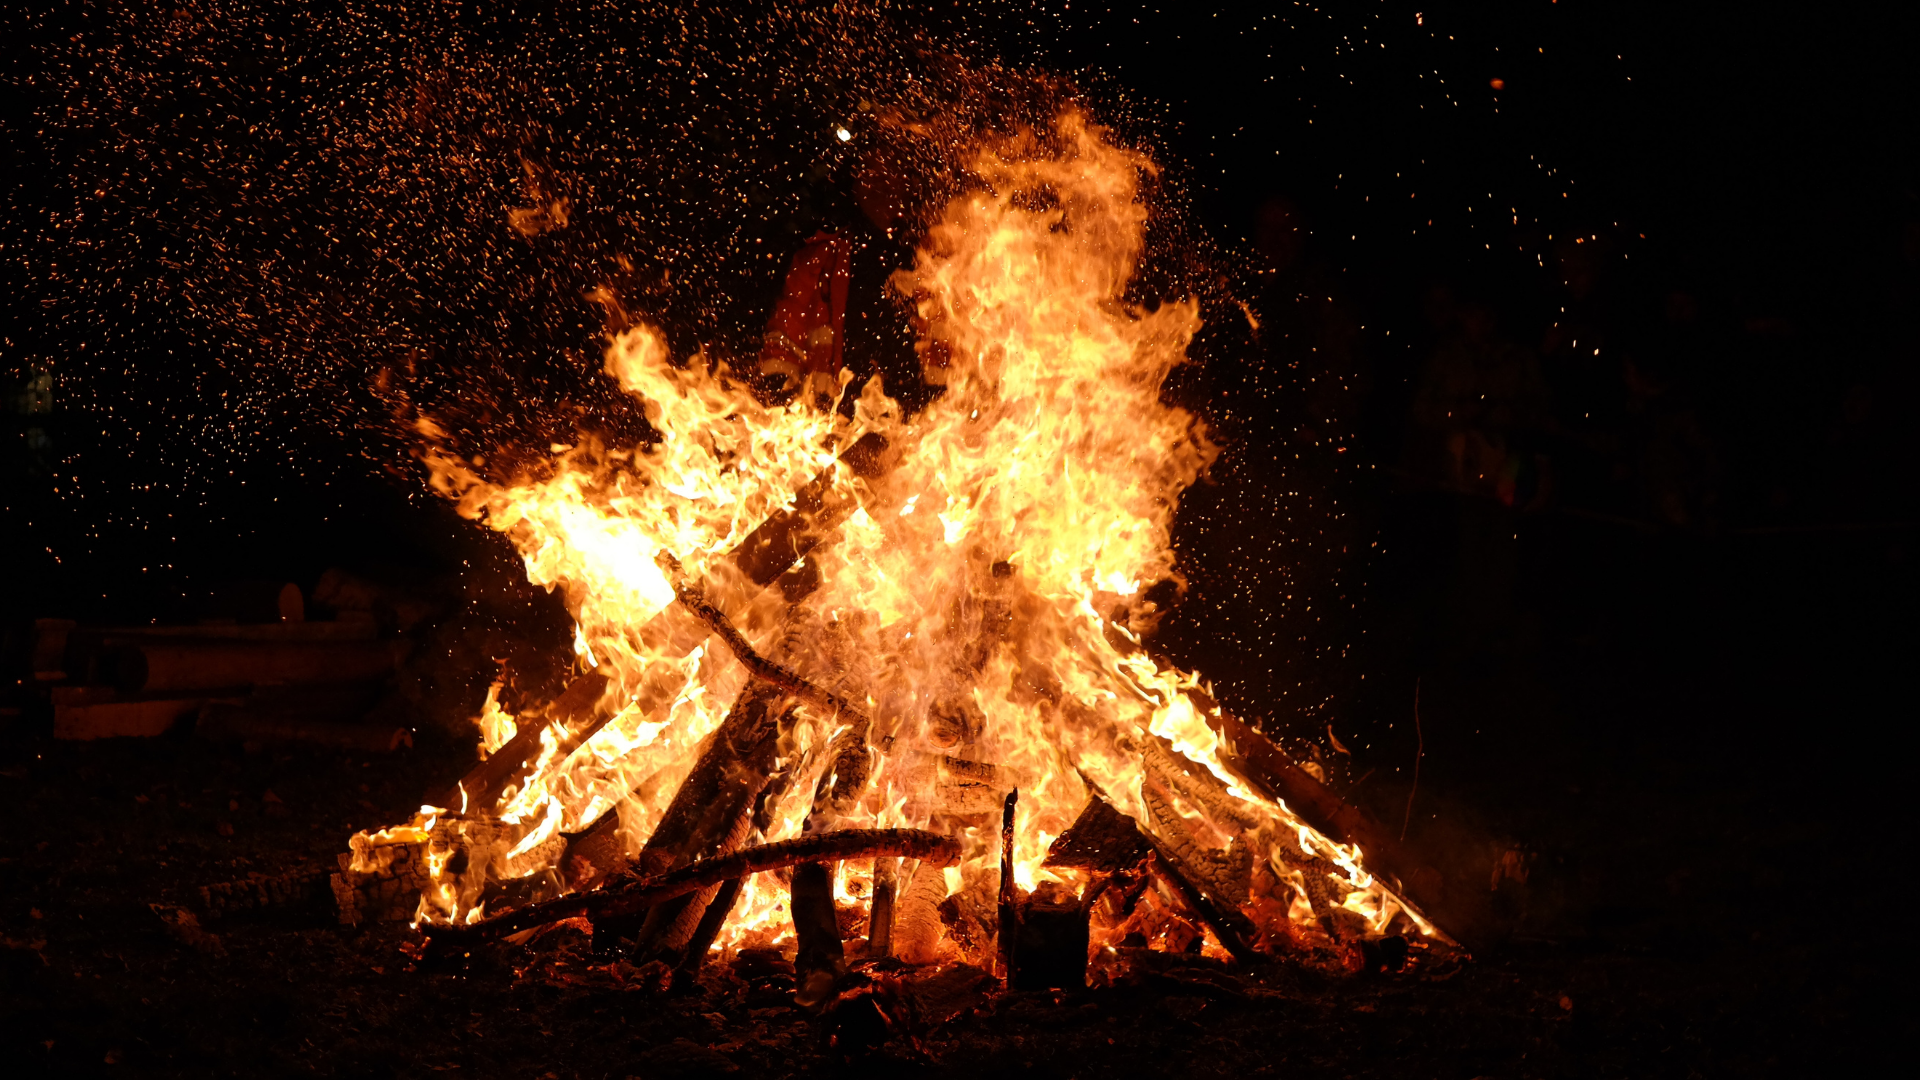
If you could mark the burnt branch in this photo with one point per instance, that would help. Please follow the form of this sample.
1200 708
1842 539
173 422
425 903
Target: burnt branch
932 848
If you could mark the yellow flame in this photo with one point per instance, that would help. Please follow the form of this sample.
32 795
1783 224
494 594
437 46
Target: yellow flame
991 628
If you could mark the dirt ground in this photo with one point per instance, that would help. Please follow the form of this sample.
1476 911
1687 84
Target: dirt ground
1690 779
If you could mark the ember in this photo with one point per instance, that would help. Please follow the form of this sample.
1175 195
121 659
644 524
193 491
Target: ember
847 667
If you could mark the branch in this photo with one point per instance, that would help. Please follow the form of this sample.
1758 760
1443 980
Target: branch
695 600
645 892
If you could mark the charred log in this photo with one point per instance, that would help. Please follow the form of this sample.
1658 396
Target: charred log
1050 945
820 957
1009 890
1231 928
1195 784
571 713
712 812
1225 874
1101 839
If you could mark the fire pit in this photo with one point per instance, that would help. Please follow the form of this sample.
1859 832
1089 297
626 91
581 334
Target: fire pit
863 706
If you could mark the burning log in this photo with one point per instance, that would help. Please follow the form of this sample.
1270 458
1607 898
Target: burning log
967 787
695 601
784 538
711 813
930 848
820 960
762 557
1194 783
1228 926
880 910
385 886
506 766
1101 839
721 904
1225 875
1269 770
918 922
820 957
711 921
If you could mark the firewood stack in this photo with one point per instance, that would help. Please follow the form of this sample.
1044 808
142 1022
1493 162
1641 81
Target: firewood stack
916 697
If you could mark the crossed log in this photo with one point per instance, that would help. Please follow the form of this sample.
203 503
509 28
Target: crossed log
766 553
689 872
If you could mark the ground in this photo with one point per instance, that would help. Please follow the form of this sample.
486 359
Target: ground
1690 910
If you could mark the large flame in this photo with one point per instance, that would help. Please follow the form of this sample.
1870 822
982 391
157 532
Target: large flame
978 601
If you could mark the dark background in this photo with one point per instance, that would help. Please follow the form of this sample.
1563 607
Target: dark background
1663 673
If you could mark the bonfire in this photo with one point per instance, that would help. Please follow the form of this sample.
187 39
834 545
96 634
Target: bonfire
862 687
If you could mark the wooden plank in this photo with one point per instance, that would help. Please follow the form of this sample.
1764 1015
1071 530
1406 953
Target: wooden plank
121 719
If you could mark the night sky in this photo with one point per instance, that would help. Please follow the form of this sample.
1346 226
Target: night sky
244 242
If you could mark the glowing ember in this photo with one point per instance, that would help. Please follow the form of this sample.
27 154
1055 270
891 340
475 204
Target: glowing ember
973 602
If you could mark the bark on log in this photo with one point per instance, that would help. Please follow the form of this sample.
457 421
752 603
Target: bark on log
932 848
714 918
967 787
712 921
712 812
1101 839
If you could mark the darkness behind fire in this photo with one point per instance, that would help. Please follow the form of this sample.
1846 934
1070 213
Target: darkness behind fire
1661 261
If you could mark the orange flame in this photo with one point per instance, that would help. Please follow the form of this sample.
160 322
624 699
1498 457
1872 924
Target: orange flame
977 604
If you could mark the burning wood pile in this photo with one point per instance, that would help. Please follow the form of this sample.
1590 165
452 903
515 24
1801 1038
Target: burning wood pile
859 687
